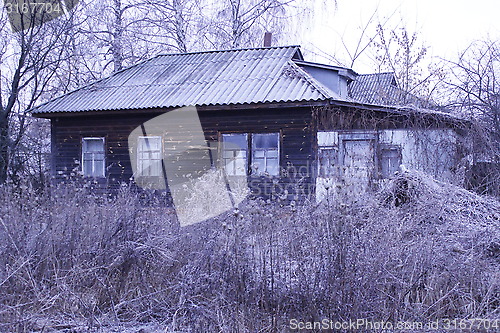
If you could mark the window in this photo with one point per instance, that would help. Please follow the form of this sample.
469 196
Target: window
390 160
93 157
328 157
149 156
234 154
328 154
265 154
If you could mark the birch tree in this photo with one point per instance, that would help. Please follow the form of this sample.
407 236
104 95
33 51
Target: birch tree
237 23
175 23
110 25
128 31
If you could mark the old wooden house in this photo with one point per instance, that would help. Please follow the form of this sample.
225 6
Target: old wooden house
289 126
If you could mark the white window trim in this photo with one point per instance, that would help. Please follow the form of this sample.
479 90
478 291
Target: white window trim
139 166
103 173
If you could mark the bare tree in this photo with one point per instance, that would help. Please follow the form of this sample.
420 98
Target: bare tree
399 51
476 83
30 58
236 23
365 39
127 31
393 48
111 24
174 22
475 93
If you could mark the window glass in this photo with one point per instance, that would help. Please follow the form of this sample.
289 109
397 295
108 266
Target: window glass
328 157
259 154
272 166
265 154
390 161
149 156
265 141
234 154
93 157
240 140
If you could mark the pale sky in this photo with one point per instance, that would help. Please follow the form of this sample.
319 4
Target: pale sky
447 26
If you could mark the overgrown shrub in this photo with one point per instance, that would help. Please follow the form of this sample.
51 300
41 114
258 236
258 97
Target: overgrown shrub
415 250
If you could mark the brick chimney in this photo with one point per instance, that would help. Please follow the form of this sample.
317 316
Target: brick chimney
267 39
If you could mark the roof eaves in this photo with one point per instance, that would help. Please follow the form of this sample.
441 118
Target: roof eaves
402 110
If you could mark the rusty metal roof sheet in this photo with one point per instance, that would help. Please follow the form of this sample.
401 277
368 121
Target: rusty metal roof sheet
243 76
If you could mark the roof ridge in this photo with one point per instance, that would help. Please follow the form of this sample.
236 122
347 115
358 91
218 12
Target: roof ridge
379 73
230 50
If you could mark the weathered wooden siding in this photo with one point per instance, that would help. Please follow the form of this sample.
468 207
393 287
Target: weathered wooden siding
294 124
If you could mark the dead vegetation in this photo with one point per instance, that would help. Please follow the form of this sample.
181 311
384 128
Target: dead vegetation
417 250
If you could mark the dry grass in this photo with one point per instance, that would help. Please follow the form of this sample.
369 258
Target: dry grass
417 250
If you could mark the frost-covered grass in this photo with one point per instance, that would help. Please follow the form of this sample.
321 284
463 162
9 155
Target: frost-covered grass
416 250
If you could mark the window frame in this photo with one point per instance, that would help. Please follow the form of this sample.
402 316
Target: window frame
102 174
327 146
329 170
249 171
381 150
265 150
247 150
139 160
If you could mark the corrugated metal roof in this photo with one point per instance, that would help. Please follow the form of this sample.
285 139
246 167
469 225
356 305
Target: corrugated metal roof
243 76
381 89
